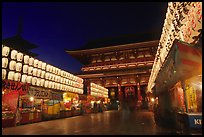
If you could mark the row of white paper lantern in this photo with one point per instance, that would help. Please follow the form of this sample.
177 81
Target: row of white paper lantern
98 90
17 77
32 63
98 87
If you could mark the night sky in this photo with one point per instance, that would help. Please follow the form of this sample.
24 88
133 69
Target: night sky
54 27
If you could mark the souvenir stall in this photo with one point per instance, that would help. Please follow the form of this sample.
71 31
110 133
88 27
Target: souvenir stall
181 76
43 98
178 59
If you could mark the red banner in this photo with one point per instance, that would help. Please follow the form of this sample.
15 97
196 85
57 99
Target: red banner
20 87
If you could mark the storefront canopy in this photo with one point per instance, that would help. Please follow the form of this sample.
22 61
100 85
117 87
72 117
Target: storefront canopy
183 61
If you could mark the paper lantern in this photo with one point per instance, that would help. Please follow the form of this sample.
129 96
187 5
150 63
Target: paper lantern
3 74
34 72
50 77
30 70
42 74
12 65
38 81
20 57
51 68
42 81
26 59
31 61
49 84
25 68
47 75
11 75
34 81
17 77
43 65
46 83
59 72
39 71
14 54
35 63
28 79
48 68
23 78
18 67
5 51
4 62
55 85
40 64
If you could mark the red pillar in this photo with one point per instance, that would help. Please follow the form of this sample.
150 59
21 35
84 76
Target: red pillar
139 102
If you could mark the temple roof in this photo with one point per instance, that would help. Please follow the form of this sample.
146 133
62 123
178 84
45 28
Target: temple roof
120 40
19 43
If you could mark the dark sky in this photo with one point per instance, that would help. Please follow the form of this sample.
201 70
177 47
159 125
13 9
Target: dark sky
55 27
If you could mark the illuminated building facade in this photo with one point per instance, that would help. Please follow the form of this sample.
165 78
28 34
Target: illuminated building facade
123 69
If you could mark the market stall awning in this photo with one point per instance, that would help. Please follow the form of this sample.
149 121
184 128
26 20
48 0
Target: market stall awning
183 61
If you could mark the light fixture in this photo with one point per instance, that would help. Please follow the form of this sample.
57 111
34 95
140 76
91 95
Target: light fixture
32 99
5 51
26 59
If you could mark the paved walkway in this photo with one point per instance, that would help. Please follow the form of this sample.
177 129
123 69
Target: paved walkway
106 123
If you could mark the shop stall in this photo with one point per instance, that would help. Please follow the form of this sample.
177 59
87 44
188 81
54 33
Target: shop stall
179 88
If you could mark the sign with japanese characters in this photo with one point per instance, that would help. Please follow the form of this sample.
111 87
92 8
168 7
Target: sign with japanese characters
21 88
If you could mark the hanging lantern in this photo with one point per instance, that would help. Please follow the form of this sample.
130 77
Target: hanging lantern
5 51
26 59
53 70
25 68
17 77
20 57
51 67
40 64
42 74
34 81
12 65
23 79
4 62
43 65
49 84
3 74
30 70
28 79
31 61
38 81
48 68
47 75
18 67
42 81
39 72
55 85
35 63
14 54
34 72
11 75
59 72
50 77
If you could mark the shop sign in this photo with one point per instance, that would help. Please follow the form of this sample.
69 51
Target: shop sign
195 121
39 93
21 88
56 96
